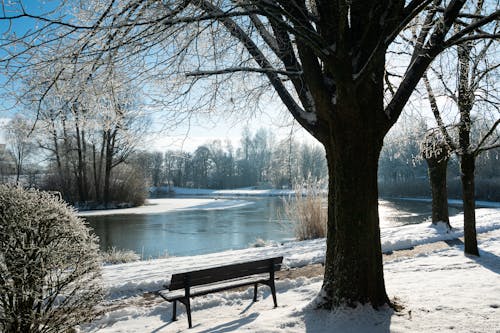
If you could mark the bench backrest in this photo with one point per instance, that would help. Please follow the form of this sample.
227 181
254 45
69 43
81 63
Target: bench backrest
223 273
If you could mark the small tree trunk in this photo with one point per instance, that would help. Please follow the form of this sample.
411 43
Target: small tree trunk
438 166
95 174
107 169
18 166
80 168
468 195
108 165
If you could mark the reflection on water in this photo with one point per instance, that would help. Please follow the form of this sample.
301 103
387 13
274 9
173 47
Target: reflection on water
193 232
396 212
205 231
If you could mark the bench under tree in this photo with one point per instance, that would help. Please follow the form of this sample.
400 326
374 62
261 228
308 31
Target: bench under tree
186 285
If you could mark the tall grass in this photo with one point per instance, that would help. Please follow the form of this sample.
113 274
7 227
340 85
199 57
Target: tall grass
308 211
116 256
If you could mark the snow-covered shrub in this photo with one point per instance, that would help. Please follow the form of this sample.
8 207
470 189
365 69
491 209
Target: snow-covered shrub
307 211
49 264
117 256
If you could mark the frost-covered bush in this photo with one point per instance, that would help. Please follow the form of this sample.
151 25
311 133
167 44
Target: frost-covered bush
49 264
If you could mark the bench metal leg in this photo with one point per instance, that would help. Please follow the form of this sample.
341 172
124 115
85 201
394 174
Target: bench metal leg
273 291
188 310
255 293
174 311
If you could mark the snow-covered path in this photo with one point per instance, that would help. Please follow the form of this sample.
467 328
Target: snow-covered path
440 291
143 276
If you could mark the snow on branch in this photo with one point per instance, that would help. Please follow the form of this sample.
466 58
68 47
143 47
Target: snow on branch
242 69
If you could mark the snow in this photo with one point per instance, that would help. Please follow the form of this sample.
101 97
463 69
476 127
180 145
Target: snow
156 206
440 290
456 202
247 191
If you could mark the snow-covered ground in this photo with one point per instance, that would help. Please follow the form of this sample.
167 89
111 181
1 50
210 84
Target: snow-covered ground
156 206
245 192
479 203
441 290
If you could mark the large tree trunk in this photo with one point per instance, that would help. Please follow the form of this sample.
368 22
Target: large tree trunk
353 267
468 196
438 166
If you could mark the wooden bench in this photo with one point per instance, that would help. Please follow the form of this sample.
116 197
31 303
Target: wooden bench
186 285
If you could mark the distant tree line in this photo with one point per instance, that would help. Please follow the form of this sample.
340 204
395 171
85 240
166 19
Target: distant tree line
259 160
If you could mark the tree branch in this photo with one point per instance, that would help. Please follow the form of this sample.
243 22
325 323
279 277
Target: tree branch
437 114
417 68
242 69
480 147
471 27
306 119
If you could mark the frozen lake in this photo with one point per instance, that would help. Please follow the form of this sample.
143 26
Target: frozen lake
199 231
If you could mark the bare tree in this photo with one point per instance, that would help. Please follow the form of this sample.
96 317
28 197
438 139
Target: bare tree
324 60
436 153
87 127
19 143
473 91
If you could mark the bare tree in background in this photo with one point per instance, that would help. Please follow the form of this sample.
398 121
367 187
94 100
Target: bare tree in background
88 123
436 152
19 144
324 60
473 92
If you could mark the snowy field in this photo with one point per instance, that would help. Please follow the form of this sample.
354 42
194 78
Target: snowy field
441 290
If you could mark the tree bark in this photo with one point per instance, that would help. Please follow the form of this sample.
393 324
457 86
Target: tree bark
108 162
467 158
468 195
438 166
353 266
80 168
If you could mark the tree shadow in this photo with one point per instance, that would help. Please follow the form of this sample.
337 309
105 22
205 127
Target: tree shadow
232 326
361 319
454 242
486 259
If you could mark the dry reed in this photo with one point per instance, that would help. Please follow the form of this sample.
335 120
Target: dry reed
307 211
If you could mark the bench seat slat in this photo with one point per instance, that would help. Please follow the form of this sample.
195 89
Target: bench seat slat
220 273
214 287
186 285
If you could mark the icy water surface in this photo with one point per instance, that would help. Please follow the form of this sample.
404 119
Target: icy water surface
181 233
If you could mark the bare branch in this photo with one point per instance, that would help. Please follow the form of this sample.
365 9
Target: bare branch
480 148
242 69
453 40
437 114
